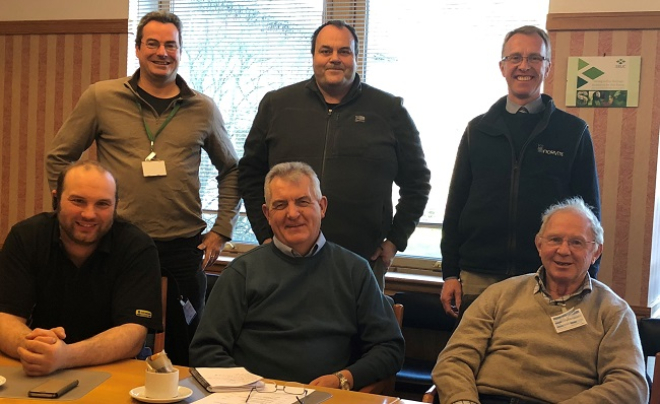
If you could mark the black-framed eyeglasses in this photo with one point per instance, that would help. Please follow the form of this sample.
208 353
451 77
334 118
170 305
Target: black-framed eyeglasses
298 391
154 45
516 59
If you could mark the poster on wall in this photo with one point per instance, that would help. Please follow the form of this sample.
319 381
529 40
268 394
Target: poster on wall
603 81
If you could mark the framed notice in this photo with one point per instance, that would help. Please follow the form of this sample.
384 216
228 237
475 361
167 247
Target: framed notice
603 82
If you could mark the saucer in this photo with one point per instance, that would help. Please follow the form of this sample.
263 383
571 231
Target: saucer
2 380
138 394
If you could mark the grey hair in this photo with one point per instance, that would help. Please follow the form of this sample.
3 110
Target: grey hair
530 30
292 171
575 205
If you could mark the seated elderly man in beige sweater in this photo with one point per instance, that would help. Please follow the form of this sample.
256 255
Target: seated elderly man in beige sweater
556 336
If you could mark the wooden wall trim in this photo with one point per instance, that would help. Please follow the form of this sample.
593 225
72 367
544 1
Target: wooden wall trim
603 21
46 27
641 311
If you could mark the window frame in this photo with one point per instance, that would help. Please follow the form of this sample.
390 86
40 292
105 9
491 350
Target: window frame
356 13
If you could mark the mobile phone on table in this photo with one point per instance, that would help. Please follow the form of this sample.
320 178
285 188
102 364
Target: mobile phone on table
53 388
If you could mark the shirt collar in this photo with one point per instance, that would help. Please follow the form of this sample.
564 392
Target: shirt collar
585 288
320 242
186 91
533 107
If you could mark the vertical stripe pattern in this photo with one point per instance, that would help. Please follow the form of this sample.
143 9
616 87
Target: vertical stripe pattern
41 79
626 148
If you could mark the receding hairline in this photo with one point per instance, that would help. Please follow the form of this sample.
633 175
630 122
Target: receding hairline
87 167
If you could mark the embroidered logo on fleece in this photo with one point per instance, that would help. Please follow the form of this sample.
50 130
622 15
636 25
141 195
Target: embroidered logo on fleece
143 313
360 118
549 152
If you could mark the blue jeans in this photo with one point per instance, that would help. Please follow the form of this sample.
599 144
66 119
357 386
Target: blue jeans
181 263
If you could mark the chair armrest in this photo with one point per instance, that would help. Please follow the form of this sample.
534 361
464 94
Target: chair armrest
383 387
429 396
655 387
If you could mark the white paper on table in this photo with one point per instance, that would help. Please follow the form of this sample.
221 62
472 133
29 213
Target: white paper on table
239 397
227 377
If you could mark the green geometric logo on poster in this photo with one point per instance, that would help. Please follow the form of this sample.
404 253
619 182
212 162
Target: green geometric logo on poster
581 82
593 73
582 64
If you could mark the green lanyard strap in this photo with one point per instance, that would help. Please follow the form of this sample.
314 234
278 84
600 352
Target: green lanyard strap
152 137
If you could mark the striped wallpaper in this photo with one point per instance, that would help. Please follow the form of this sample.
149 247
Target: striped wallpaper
43 74
41 78
626 146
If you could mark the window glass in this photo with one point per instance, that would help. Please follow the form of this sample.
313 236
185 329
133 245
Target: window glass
440 56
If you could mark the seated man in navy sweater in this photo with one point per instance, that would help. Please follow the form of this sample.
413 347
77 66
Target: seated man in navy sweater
77 287
300 308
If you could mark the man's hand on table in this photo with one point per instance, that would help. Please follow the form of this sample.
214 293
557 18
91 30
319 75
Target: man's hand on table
43 351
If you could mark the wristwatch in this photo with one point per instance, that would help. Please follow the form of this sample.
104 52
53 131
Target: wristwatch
343 381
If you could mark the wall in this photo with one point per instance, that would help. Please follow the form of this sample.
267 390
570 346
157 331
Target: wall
45 64
625 140
594 6
48 10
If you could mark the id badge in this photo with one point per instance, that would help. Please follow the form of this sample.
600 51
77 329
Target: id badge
188 310
154 168
568 321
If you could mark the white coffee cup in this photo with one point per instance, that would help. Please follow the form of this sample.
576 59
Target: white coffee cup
161 385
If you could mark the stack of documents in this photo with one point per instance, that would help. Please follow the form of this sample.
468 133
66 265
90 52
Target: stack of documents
224 380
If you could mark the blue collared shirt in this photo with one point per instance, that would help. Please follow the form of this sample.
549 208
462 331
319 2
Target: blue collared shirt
320 242
540 287
533 107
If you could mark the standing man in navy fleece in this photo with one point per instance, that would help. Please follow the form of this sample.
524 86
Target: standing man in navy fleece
358 139
513 162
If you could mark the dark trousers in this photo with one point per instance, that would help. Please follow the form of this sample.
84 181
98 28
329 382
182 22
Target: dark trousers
181 263
379 269
492 399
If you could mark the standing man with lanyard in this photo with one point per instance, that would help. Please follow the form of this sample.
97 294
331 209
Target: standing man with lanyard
150 129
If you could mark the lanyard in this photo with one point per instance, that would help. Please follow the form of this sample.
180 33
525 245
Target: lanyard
152 137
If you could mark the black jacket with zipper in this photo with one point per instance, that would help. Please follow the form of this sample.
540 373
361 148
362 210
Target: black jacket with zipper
496 199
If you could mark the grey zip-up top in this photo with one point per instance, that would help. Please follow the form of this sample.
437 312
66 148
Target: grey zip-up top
165 207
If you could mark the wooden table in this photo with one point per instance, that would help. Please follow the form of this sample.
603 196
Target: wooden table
128 374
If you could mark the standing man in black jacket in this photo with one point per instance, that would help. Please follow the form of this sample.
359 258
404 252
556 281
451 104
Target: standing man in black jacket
360 141
514 161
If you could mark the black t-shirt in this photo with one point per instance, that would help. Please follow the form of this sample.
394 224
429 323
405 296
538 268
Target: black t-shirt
521 127
159 104
118 284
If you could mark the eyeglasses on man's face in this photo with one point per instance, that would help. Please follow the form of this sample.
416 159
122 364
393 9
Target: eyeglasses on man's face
298 391
155 45
516 59
575 244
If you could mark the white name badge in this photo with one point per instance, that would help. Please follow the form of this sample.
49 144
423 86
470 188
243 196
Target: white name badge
567 321
154 168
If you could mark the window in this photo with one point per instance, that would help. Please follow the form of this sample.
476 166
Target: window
441 57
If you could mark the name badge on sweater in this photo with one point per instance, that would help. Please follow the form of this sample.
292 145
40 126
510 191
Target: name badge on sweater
567 321
154 168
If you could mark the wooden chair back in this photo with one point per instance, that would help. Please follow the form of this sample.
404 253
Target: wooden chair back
159 337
